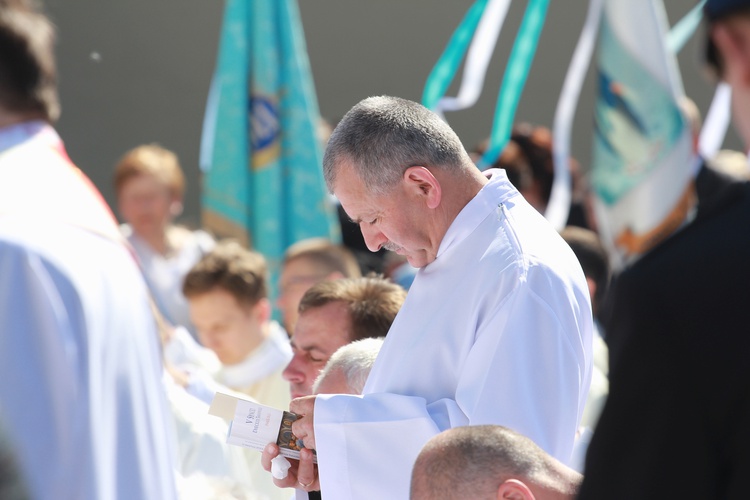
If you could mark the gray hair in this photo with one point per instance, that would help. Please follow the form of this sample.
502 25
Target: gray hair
383 136
355 361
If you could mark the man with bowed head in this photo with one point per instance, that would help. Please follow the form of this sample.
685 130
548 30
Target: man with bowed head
496 328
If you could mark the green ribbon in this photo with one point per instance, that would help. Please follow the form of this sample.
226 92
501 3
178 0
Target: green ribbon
684 29
519 64
445 69
514 79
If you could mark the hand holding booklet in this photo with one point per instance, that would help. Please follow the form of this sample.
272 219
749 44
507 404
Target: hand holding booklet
254 425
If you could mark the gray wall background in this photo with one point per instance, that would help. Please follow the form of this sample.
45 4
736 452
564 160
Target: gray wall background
138 71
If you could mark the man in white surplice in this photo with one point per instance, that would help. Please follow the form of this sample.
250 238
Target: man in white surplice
80 392
496 328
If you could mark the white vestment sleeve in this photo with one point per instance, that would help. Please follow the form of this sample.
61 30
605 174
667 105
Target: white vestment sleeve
367 445
360 439
80 393
40 371
538 374
497 330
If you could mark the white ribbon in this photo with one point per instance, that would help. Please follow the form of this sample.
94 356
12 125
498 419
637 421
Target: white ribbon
716 123
477 59
558 206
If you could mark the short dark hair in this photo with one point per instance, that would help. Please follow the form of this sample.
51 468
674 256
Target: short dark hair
372 302
326 256
592 256
719 9
532 160
28 77
230 267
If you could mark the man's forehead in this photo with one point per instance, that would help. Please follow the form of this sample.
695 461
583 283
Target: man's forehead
348 184
306 331
216 300
301 265
324 321
313 339
304 343
209 317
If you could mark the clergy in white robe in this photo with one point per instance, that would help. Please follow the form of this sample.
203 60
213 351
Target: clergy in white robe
164 272
80 372
503 340
80 392
496 327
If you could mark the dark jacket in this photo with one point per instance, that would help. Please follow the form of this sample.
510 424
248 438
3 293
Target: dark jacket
677 420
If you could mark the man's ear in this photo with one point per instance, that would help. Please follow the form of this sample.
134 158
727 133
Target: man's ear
420 181
262 310
175 208
513 489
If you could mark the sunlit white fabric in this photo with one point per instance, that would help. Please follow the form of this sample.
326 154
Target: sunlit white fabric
497 330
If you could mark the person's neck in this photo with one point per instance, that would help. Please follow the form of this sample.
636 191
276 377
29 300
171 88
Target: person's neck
258 337
542 493
8 119
463 190
159 241
563 485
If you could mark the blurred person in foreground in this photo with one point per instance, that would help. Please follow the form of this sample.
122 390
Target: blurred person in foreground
496 327
80 392
489 462
676 423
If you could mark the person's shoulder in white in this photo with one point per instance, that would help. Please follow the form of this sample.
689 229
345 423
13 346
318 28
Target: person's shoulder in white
201 438
183 351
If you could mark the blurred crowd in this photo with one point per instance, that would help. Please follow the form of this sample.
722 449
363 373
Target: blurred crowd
118 325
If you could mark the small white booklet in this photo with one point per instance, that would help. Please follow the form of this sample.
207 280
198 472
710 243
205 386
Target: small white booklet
254 425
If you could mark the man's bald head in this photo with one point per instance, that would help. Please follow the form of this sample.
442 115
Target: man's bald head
477 461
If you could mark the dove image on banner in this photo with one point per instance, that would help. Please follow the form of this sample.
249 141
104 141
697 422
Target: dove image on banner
642 162
260 149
